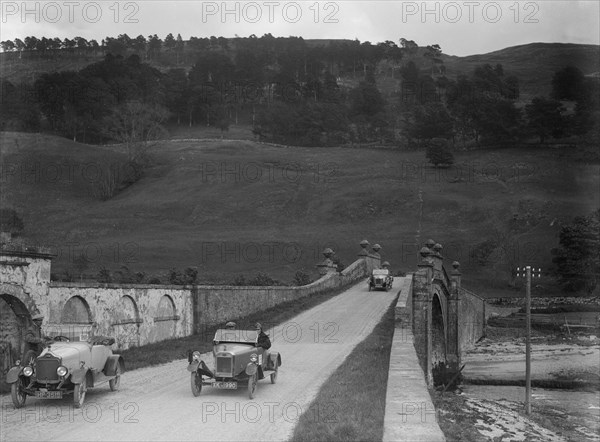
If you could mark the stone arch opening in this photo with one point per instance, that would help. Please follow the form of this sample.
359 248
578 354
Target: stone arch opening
438 330
165 318
15 319
127 323
76 311
438 339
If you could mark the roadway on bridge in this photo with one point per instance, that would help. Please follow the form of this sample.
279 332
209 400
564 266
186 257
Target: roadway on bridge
156 403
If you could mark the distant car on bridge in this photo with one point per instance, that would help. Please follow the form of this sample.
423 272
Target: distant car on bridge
237 360
66 367
380 279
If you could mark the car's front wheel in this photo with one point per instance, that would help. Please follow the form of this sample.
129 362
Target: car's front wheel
196 383
79 393
252 381
17 394
116 381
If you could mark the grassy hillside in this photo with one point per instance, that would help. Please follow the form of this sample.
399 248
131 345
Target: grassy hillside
534 64
233 207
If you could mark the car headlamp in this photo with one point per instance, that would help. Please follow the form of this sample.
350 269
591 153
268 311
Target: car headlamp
196 356
28 371
253 357
61 371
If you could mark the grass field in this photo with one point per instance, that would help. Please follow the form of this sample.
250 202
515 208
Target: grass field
231 207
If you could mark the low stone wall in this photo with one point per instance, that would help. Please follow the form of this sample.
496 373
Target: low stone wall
215 305
543 302
471 307
138 314
134 314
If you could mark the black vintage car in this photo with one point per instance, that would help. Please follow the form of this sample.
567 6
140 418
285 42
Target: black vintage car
237 360
380 279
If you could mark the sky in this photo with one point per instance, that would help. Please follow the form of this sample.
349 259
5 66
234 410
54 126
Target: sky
459 27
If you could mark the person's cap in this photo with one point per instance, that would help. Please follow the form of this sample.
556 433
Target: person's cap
258 326
230 324
37 317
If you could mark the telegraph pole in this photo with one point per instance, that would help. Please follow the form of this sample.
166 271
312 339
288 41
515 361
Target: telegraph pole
526 272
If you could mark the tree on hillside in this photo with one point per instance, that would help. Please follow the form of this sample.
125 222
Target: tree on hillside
568 84
577 259
136 124
545 118
430 121
439 154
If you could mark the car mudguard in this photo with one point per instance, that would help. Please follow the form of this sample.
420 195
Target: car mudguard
251 368
110 367
193 366
274 359
13 375
78 375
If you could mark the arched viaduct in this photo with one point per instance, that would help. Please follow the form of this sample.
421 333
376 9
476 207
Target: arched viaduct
443 316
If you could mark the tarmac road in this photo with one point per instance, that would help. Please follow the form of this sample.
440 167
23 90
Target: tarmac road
156 403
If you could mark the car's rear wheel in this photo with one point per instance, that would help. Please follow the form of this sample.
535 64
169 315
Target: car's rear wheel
79 393
18 394
115 382
274 374
196 383
252 381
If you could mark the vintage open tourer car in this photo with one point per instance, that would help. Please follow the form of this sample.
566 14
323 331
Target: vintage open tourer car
237 360
380 279
66 367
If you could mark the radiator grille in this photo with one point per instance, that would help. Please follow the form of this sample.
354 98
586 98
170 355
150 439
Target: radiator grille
224 364
45 368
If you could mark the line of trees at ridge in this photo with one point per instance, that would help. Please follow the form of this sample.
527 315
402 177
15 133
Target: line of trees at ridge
298 93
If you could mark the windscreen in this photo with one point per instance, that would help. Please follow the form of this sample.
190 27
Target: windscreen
225 335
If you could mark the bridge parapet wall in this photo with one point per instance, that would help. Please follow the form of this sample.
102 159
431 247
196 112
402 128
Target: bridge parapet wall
137 314
472 307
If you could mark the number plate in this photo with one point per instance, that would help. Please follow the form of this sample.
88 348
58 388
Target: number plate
48 394
225 385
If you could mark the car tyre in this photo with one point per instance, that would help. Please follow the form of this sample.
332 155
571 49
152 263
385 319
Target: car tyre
252 381
115 382
79 393
17 394
274 374
196 383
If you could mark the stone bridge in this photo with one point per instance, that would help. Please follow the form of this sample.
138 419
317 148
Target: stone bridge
443 316
136 314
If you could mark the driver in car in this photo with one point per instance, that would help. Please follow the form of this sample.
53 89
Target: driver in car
263 341
34 339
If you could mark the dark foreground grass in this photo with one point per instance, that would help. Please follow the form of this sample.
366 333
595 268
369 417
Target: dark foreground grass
172 349
351 404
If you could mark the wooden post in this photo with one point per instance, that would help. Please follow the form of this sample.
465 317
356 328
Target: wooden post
528 342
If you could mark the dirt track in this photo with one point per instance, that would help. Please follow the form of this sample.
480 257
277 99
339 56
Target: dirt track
156 403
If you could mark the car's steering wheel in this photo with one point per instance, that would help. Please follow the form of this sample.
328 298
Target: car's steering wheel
61 338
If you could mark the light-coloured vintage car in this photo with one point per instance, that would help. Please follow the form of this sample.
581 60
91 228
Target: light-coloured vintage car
380 279
66 367
237 359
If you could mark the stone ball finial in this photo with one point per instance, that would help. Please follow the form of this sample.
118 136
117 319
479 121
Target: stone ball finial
364 243
385 264
430 243
456 265
437 247
328 253
376 248
424 252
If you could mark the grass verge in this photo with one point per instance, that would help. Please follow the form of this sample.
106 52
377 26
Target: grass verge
351 404
172 349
